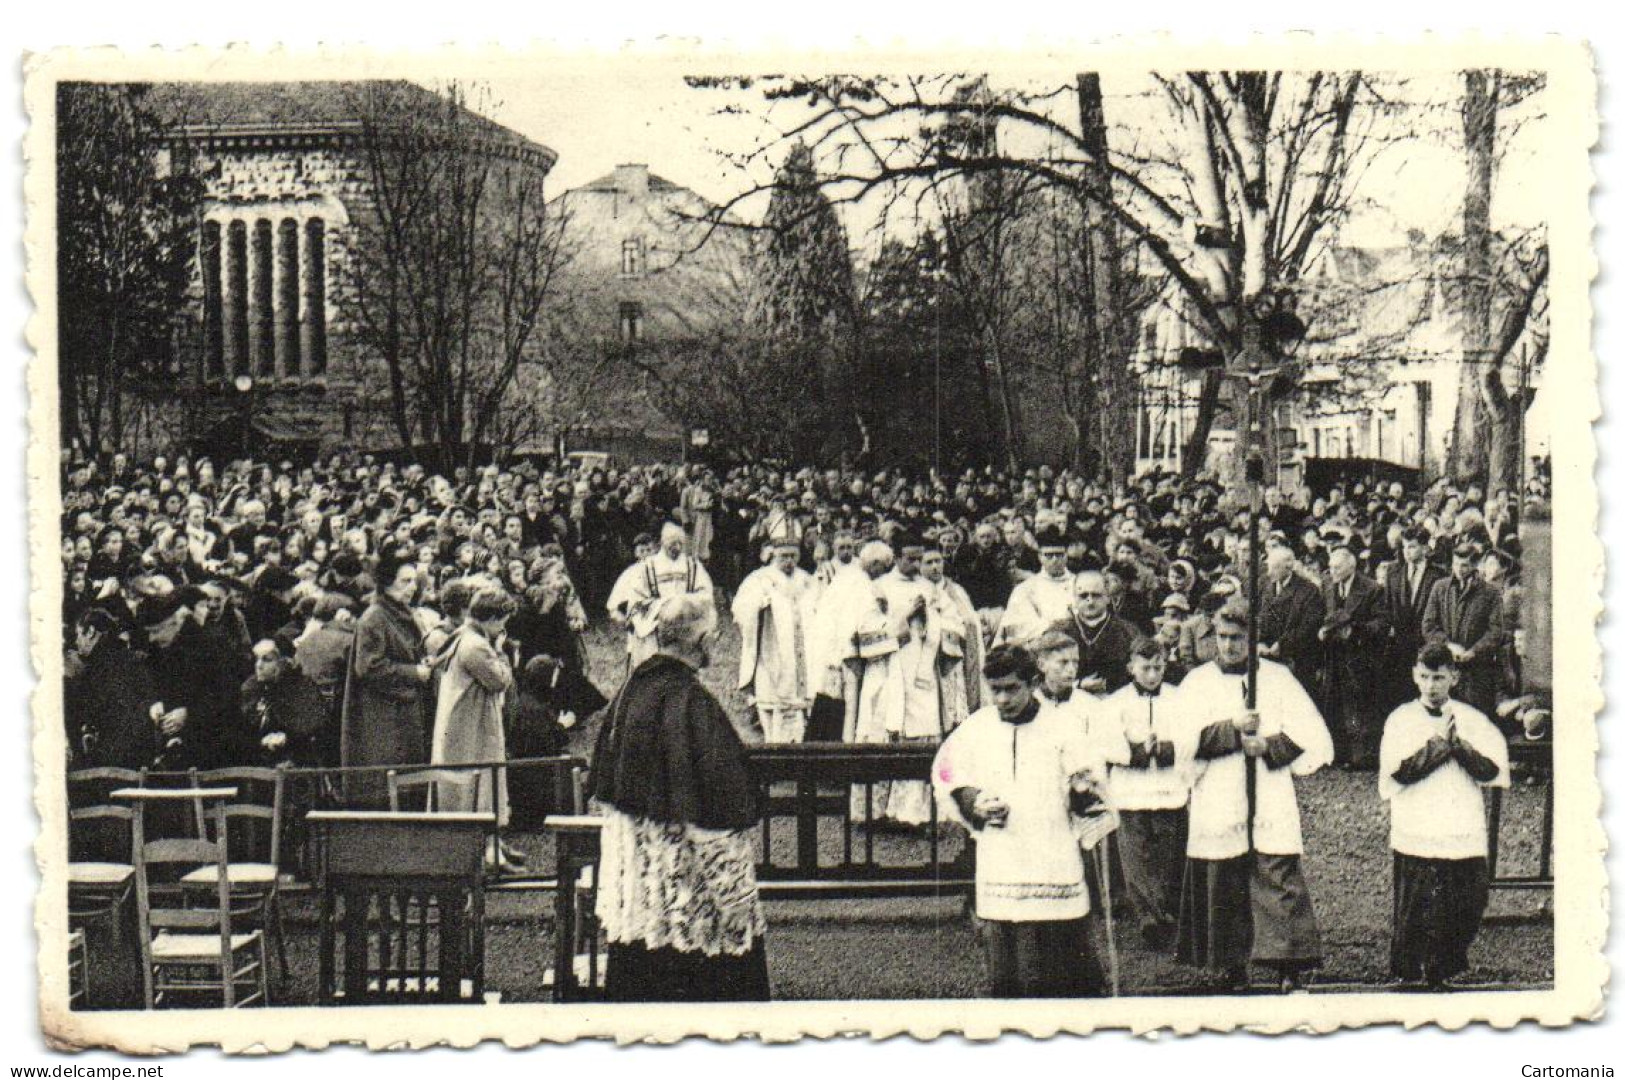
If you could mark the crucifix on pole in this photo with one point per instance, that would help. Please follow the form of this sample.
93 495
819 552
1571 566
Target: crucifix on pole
1248 367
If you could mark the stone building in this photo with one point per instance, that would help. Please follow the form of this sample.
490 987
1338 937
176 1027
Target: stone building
644 269
269 359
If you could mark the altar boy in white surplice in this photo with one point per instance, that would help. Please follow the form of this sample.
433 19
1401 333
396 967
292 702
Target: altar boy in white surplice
1019 775
1244 896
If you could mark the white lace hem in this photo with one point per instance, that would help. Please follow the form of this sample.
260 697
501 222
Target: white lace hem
678 886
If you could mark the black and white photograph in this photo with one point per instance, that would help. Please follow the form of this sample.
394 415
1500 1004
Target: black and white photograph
1088 541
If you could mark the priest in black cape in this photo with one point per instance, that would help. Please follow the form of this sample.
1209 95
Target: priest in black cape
677 894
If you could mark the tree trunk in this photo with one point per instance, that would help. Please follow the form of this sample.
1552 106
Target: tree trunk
1110 345
1471 439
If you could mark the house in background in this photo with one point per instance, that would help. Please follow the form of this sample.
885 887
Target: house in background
644 268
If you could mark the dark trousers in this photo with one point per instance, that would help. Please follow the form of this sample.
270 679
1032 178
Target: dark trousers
1253 907
1152 847
1438 907
1042 959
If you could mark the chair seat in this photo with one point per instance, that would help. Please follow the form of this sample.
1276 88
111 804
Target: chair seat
236 874
167 946
99 873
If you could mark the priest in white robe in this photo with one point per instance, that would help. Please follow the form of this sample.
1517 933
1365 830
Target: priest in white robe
668 572
1244 896
961 652
774 611
917 673
1043 599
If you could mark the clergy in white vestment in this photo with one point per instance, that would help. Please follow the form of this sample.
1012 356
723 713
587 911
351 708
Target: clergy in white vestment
917 672
668 572
1043 599
1244 895
828 716
1150 789
857 641
1018 774
1437 757
774 611
961 653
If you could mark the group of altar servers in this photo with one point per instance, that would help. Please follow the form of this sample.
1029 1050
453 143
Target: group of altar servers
1201 789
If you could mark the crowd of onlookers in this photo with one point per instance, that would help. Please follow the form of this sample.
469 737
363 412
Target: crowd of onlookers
234 613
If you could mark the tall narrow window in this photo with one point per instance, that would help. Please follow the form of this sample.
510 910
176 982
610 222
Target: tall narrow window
236 299
262 343
631 257
313 326
214 344
631 322
287 297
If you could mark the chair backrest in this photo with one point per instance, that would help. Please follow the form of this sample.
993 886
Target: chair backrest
91 787
260 795
101 833
157 910
430 779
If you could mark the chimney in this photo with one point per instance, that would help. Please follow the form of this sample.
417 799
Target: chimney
632 181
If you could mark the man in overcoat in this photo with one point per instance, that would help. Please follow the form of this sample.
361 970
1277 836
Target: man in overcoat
1464 612
1353 642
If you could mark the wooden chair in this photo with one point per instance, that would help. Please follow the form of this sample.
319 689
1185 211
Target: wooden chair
101 882
78 970
429 781
192 951
254 831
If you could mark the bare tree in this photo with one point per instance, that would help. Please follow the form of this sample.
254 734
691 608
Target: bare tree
1503 286
126 241
1255 171
452 268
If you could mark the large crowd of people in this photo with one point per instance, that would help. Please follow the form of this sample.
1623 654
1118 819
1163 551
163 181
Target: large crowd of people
359 612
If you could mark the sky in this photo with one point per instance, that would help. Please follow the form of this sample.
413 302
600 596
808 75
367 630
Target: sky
640 110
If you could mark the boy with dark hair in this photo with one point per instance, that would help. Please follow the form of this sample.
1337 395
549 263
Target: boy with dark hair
1148 789
1020 774
1437 754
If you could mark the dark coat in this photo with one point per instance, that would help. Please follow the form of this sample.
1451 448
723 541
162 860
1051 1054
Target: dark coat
982 575
107 709
1105 652
384 720
1352 667
292 705
1405 610
1290 617
1469 617
669 753
194 673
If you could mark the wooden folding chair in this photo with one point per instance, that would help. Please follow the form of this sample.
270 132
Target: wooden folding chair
254 831
78 969
429 781
187 952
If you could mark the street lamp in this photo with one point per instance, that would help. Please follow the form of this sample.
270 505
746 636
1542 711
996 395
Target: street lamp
244 384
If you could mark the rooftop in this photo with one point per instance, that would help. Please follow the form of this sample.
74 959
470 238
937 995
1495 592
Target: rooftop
225 109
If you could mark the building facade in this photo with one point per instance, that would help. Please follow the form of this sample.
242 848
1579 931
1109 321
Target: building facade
268 351
646 267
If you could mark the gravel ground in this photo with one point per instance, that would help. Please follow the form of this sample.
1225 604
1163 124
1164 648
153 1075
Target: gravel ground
922 948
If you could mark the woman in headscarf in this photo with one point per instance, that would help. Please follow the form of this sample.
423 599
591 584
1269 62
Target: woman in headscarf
677 893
